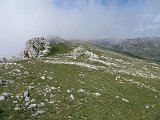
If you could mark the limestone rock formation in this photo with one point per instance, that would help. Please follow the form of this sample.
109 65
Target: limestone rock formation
36 47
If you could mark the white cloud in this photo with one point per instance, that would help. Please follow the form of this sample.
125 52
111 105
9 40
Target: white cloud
157 19
84 19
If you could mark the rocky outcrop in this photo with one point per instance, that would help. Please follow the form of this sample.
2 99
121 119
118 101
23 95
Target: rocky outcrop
36 47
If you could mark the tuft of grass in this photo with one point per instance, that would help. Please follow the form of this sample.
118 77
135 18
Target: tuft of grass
59 48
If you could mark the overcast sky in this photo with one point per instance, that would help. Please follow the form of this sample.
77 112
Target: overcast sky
83 19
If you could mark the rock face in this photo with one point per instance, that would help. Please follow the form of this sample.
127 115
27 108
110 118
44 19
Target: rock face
36 47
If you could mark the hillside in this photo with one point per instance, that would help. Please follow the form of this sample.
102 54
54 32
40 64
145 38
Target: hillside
80 81
142 47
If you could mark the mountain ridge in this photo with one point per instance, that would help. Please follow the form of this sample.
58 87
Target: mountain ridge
142 47
78 80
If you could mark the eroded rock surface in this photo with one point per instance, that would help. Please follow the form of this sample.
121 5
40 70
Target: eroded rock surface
36 47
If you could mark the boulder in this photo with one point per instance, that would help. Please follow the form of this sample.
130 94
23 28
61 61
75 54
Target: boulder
2 98
26 94
36 47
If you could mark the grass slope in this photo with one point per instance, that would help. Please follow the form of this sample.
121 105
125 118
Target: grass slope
119 88
60 48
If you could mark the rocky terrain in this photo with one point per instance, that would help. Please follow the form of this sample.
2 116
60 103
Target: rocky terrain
75 80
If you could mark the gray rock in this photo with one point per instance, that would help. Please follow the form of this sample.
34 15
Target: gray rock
39 112
6 94
17 97
26 99
27 103
26 94
41 104
33 100
32 106
10 82
71 97
2 98
36 47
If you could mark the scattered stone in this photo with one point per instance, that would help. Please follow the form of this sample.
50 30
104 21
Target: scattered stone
53 88
17 97
117 97
27 103
41 104
32 106
30 87
10 82
26 73
81 90
26 94
26 99
68 91
97 94
71 97
2 98
49 77
43 78
39 112
51 102
33 100
125 100
6 94
17 107
46 100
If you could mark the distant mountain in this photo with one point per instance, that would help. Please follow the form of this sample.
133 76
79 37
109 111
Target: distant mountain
143 47
56 39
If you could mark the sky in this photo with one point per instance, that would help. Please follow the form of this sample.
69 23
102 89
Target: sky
21 20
